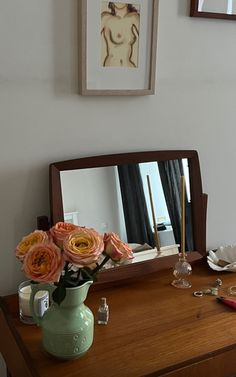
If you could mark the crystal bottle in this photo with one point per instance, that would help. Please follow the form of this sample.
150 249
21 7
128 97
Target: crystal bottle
182 269
103 312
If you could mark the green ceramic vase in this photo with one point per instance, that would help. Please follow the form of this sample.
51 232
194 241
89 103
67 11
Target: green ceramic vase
67 329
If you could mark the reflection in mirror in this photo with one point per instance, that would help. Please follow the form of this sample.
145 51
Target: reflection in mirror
116 199
223 9
219 6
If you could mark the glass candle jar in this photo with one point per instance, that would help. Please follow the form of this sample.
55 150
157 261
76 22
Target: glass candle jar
41 302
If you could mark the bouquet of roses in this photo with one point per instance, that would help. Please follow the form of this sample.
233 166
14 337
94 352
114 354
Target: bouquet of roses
67 255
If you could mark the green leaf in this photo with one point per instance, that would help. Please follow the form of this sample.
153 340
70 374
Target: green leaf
70 282
59 294
71 273
94 278
86 274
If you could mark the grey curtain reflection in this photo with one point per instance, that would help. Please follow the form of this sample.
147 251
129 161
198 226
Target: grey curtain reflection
137 223
170 173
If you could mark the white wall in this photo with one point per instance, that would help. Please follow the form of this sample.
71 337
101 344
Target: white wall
43 119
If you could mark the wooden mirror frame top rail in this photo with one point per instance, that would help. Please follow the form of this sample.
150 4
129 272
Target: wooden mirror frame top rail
198 204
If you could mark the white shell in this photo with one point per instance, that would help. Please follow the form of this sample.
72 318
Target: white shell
226 253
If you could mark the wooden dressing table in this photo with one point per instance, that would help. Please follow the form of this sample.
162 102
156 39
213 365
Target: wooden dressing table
154 330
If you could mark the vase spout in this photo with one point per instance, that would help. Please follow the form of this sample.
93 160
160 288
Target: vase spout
76 295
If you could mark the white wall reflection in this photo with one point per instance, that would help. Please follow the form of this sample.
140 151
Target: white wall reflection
217 6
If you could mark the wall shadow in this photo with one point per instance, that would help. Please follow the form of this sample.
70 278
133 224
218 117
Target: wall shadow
65 42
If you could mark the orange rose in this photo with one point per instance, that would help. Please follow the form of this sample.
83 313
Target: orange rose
83 246
116 249
44 263
38 236
60 231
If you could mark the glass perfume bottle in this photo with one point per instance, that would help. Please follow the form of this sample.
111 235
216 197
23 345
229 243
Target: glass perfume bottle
182 269
103 312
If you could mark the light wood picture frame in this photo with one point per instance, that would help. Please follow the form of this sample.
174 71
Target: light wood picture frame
105 68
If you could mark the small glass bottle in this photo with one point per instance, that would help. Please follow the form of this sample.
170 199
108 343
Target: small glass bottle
103 312
182 269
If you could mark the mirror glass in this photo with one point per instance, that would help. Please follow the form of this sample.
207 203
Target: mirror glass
222 9
117 199
217 6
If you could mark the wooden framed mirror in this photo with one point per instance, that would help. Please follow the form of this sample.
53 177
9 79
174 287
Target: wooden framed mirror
81 188
224 9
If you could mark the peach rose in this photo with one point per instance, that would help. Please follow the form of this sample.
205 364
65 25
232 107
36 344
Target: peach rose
116 249
38 236
43 263
83 246
60 231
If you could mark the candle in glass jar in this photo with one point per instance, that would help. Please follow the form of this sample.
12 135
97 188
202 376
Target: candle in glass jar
24 297
41 302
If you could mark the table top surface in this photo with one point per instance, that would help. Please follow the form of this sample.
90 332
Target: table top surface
153 328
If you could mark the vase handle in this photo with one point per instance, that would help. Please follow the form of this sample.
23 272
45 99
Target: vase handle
34 289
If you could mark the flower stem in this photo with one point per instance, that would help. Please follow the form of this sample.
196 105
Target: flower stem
66 267
78 275
99 266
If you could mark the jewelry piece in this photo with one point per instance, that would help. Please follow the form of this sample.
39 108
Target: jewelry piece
198 293
209 291
218 283
214 291
232 290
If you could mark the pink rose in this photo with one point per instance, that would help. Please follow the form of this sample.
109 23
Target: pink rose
44 263
83 246
38 236
60 231
116 249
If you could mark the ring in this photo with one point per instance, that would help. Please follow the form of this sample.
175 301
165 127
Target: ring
199 293
232 290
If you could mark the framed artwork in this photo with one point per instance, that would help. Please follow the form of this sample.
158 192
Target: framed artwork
117 47
225 9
